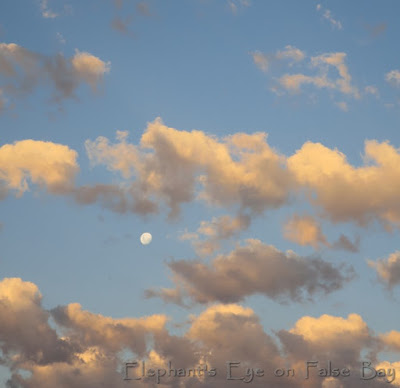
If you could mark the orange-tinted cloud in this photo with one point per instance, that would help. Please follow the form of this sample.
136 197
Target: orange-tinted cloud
46 164
304 230
168 165
388 270
348 193
89 350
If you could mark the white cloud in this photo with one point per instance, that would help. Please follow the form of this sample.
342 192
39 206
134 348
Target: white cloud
46 12
393 77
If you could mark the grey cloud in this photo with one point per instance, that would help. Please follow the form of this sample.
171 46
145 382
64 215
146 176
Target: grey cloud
255 268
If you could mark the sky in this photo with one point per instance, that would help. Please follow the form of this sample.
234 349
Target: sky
258 143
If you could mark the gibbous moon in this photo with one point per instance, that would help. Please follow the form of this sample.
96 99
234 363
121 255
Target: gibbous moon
146 238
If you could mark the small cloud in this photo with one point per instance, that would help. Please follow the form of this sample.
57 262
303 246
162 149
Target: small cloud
393 77
377 29
327 14
388 270
372 90
235 4
46 12
143 8
260 60
305 230
61 38
122 25
291 52
344 243
342 106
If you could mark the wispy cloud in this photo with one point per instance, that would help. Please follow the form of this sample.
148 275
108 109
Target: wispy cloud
234 5
388 270
327 15
393 77
47 13
24 70
328 71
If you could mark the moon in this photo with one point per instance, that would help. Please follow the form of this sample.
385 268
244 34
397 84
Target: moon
146 238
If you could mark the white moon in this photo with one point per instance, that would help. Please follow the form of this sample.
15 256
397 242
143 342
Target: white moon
146 238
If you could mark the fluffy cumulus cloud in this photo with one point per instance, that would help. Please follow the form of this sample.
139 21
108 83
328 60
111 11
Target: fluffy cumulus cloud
86 350
177 167
388 270
349 193
240 173
22 70
254 268
25 334
392 340
343 341
46 164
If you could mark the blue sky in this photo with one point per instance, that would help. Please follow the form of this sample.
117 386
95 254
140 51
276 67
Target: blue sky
218 67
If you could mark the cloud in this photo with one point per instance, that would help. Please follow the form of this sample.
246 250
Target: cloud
393 77
343 341
348 193
89 68
46 12
46 164
143 8
216 230
323 63
255 268
112 335
343 106
168 165
304 230
61 38
122 25
330 72
260 60
3 101
392 340
377 29
343 243
81 349
240 172
388 270
289 53
327 15
24 70
25 334
372 90
235 4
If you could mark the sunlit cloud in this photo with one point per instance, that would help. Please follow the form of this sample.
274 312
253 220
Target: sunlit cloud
24 70
388 270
